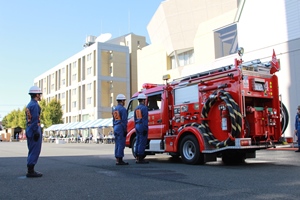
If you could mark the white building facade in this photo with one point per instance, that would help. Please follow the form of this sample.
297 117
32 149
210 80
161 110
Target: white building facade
88 82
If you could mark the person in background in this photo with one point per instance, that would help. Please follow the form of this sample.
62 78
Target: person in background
119 114
297 127
141 127
111 137
33 131
89 138
110 133
100 138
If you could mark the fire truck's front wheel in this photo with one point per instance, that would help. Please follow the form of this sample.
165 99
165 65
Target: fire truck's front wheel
190 151
133 145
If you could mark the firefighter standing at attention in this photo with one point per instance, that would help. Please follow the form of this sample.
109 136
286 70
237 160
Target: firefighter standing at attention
141 127
33 131
120 128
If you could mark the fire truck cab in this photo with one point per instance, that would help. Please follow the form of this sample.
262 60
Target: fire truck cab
228 112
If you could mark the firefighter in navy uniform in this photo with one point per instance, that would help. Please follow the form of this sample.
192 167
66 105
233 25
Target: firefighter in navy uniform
141 127
120 128
297 127
33 131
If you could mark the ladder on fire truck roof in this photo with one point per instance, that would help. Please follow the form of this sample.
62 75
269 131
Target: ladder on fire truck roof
206 73
253 65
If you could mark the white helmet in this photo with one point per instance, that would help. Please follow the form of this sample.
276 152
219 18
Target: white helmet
141 96
121 97
35 90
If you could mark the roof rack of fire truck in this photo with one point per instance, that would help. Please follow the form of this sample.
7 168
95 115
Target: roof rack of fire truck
254 65
206 73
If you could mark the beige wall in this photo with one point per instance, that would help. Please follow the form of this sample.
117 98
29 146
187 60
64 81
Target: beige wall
175 22
179 25
152 64
204 48
105 63
105 95
119 64
137 44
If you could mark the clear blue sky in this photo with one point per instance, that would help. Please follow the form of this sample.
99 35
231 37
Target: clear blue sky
36 35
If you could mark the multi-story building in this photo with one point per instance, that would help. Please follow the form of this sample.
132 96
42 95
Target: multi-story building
88 82
192 36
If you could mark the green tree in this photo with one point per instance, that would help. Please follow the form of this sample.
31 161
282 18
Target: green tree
12 119
15 118
22 118
45 116
4 121
51 114
56 112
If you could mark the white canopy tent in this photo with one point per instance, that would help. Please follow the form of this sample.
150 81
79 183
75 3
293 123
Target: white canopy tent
98 123
102 123
67 126
54 127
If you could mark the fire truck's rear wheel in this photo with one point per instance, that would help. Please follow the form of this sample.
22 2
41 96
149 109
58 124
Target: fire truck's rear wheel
190 151
284 117
133 145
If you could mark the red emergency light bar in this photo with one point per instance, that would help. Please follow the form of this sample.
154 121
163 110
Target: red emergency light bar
149 85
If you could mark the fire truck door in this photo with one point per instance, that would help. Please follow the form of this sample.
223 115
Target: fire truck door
155 119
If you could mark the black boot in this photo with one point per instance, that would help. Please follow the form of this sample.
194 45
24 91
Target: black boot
298 150
121 162
141 160
31 173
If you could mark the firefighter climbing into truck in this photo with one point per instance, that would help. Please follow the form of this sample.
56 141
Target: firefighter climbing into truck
229 113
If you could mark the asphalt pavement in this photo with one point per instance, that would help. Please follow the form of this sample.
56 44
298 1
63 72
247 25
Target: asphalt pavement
88 171
70 171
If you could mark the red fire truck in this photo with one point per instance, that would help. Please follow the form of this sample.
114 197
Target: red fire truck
228 112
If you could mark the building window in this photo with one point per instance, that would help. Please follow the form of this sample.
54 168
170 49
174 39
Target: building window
183 58
74 104
63 107
226 41
63 70
63 95
74 64
52 87
89 57
74 91
89 100
63 82
89 86
89 70
74 76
